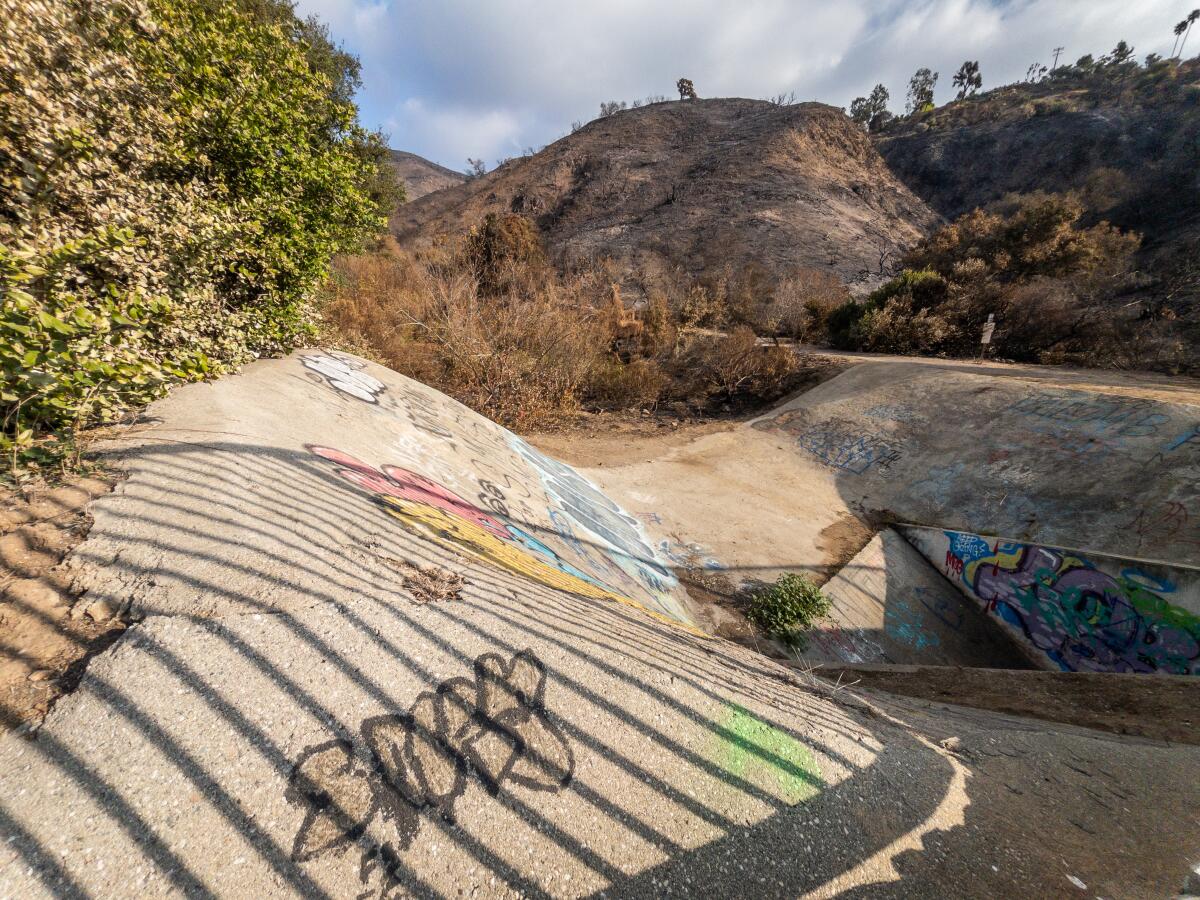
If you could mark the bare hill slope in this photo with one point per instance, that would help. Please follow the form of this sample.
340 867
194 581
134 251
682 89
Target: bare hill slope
420 176
699 186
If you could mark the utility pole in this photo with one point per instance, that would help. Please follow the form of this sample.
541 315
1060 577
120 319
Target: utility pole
1057 50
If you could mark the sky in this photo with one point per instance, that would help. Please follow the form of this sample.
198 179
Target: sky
452 79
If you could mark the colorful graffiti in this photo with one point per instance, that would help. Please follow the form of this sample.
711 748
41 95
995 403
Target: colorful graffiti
1080 617
598 516
369 793
431 511
689 556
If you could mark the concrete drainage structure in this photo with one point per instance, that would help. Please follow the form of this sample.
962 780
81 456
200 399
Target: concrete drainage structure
383 647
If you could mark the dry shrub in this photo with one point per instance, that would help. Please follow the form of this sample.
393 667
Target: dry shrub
617 385
490 323
898 328
521 355
800 305
735 365
702 306
505 252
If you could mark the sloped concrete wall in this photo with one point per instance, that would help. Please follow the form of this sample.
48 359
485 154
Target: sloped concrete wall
1075 611
448 484
993 452
890 606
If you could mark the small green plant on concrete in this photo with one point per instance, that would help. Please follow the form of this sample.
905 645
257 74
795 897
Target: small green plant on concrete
789 607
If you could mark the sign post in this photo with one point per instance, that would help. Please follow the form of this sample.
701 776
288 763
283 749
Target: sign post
986 338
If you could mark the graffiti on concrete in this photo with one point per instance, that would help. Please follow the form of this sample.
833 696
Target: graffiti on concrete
689 556
343 373
749 749
849 644
905 624
1082 618
369 793
839 445
499 499
894 413
431 511
1165 524
580 500
1185 442
1088 427
1118 416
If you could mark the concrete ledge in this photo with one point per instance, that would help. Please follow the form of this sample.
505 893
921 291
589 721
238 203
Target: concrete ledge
1160 707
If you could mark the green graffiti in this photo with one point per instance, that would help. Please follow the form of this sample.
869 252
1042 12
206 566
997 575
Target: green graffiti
749 749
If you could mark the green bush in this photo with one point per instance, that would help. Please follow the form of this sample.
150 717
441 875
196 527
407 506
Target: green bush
790 606
174 178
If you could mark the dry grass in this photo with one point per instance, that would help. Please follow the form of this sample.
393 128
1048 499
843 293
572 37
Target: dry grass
431 585
488 322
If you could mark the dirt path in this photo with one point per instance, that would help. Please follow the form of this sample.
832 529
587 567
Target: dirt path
45 636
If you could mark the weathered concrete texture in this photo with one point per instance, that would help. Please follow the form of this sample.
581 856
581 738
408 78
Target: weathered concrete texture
298 715
999 454
890 606
1072 610
294 441
996 450
1165 709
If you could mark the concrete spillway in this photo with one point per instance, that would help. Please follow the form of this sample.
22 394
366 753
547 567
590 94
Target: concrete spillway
386 648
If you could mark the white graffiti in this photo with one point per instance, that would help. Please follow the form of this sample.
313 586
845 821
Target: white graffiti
344 373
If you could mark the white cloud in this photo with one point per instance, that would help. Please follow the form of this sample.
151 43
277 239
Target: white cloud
459 78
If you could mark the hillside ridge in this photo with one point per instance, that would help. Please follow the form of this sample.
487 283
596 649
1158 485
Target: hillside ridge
697 187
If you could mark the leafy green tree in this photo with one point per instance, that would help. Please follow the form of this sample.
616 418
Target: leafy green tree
920 91
865 110
967 79
1120 54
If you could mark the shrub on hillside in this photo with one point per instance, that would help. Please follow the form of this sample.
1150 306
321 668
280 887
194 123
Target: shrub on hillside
151 230
536 343
801 303
504 249
736 366
1049 282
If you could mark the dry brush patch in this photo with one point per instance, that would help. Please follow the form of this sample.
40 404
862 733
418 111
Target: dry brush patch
487 320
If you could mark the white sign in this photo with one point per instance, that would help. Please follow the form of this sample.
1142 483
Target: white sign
988 327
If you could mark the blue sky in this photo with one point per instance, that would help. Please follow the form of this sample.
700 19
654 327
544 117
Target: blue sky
450 79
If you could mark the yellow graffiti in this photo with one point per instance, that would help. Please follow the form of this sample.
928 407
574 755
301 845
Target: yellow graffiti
459 535
1008 560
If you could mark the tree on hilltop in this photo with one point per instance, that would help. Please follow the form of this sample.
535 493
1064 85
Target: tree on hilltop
687 91
967 79
867 110
920 91
1189 21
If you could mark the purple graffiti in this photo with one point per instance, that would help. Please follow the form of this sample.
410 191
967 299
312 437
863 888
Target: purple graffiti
1080 617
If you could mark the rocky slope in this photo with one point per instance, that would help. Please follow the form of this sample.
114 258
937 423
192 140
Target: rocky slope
698 187
420 176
